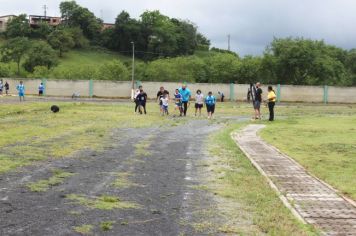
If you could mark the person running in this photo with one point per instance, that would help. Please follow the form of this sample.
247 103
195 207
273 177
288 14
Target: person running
141 101
165 102
7 88
271 97
21 89
137 92
186 95
210 104
199 102
257 92
160 95
41 89
178 102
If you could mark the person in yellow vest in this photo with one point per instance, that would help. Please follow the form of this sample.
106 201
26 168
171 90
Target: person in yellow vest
271 102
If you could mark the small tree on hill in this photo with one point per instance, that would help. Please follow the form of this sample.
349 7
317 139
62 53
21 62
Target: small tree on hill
41 54
61 40
14 50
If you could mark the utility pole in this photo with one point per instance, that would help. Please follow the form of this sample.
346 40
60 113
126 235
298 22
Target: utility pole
133 71
102 15
45 8
228 42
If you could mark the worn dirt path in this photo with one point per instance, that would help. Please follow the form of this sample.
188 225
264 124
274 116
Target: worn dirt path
309 198
158 164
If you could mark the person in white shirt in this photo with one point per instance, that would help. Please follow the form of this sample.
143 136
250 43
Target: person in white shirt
165 101
199 102
137 92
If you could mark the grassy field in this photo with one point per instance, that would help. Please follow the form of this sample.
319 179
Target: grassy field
324 145
31 132
321 138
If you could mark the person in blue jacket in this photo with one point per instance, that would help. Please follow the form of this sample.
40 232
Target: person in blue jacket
186 95
21 89
210 101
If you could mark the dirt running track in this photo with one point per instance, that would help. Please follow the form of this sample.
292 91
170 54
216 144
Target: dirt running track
162 173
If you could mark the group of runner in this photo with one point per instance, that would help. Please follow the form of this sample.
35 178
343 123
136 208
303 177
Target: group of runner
181 98
255 92
20 89
3 87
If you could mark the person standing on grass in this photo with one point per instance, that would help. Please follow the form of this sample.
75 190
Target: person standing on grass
257 100
222 96
186 95
271 102
141 100
7 88
1 87
160 95
21 89
41 89
137 92
178 102
199 102
210 101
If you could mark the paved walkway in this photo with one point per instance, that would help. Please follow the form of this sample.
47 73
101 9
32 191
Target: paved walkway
308 198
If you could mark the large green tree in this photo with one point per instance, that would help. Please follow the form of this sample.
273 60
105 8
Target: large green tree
304 61
15 50
18 27
76 16
223 68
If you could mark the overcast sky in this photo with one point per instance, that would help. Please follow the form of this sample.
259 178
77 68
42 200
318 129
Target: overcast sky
252 24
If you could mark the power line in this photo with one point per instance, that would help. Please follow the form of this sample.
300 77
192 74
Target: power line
228 42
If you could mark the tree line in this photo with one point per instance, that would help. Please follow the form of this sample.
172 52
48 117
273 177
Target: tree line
169 49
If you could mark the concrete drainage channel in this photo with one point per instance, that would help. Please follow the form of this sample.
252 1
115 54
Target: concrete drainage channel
309 199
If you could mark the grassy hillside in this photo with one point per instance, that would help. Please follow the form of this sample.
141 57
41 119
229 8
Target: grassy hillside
89 58
84 64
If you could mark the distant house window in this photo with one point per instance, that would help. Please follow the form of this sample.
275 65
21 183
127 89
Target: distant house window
54 21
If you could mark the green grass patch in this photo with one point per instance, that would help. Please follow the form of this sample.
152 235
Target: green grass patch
141 147
43 185
8 163
79 59
122 180
243 189
324 145
104 202
106 225
84 229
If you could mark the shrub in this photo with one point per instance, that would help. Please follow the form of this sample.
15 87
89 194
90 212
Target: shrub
114 70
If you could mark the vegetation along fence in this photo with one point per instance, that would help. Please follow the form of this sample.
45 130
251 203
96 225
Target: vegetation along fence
234 92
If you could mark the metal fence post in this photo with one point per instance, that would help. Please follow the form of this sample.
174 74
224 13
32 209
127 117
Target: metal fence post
44 82
326 94
91 88
232 92
278 93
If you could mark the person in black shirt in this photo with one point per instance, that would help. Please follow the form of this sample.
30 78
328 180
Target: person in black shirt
257 100
7 87
160 95
141 100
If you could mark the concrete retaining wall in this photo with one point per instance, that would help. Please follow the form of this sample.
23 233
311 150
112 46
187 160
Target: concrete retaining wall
122 89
